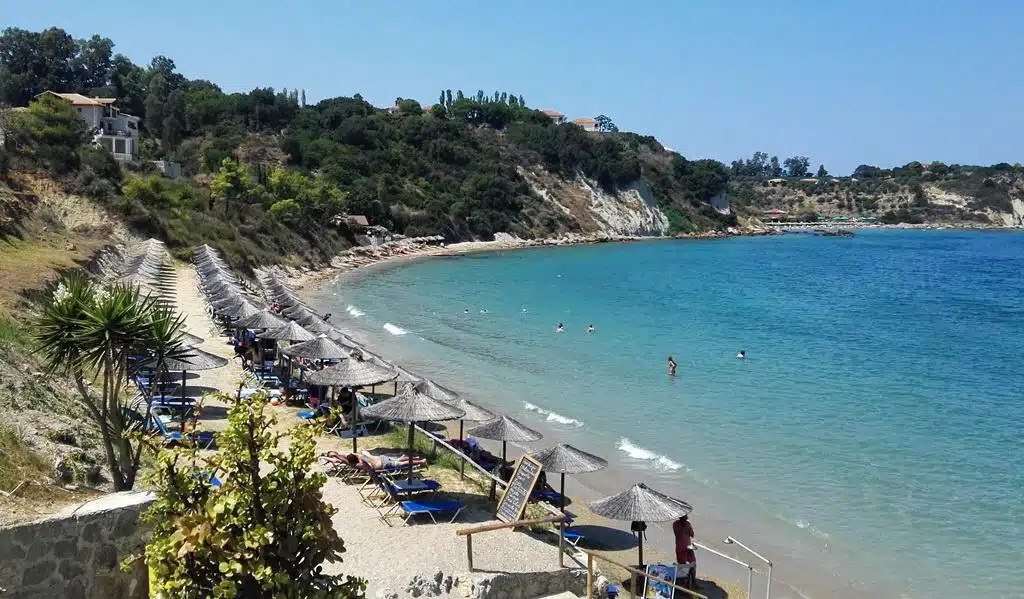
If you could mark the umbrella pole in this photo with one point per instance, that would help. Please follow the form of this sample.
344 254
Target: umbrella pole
562 499
183 401
504 446
355 416
462 464
640 547
411 433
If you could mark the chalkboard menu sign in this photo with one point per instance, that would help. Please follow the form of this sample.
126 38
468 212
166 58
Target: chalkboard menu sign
513 502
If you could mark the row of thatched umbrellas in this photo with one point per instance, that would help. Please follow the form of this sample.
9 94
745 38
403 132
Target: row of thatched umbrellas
418 400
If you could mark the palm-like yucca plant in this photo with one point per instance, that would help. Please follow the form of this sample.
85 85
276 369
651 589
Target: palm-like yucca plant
89 332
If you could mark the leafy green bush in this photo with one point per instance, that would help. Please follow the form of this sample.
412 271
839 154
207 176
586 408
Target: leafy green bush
265 532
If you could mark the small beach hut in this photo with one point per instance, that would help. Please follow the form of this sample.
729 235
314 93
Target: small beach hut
640 503
566 459
506 429
411 406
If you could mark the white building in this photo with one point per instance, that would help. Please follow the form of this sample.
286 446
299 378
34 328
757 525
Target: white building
586 123
112 130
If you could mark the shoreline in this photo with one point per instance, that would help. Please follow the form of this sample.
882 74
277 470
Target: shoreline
712 525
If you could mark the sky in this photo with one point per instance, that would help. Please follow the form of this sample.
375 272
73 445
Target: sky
842 82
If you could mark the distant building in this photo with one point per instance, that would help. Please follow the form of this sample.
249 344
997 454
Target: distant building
356 221
776 182
111 129
774 215
171 170
586 123
554 115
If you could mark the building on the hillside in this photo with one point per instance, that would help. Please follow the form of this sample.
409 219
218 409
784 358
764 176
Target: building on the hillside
171 170
777 182
586 123
111 129
554 115
774 215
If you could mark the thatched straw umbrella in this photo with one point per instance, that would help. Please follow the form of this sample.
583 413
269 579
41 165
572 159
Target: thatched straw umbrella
290 331
320 348
353 371
438 392
190 340
263 319
566 459
506 429
474 413
191 361
641 503
412 406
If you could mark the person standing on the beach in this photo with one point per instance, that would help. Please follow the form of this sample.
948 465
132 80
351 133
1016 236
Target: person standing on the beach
683 532
671 366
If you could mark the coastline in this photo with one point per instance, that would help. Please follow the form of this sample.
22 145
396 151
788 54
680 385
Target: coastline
712 526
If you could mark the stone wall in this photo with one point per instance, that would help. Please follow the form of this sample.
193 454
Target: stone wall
76 554
499 585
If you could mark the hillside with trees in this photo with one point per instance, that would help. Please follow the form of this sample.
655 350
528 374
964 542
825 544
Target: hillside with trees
914 193
265 173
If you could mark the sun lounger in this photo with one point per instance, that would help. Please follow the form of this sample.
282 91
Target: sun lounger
389 486
414 507
204 439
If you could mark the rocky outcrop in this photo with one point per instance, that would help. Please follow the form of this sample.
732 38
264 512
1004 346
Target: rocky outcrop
631 211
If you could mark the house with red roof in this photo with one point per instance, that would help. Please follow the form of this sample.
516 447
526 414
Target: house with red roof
554 115
586 123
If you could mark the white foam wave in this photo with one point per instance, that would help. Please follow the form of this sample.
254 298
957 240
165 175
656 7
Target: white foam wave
553 416
639 453
393 329
354 312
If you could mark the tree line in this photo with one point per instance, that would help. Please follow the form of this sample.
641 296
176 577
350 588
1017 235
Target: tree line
760 166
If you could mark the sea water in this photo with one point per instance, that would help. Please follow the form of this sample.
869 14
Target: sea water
871 441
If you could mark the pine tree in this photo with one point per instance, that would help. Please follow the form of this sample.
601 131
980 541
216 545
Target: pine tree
522 102
448 98
459 96
303 98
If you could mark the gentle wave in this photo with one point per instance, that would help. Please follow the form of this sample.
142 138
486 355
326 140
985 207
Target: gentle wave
393 329
639 453
354 312
553 416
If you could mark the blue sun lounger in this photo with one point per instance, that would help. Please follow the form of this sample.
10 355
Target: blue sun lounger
204 439
430 507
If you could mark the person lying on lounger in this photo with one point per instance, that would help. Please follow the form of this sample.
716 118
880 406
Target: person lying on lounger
379 462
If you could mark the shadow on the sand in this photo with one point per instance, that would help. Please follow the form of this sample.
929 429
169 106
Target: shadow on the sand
605 537
711 590
198 390
214 413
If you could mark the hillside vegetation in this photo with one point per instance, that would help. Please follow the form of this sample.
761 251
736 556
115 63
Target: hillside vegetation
266 173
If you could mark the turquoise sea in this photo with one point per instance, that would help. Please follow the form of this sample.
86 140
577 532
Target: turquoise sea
872 440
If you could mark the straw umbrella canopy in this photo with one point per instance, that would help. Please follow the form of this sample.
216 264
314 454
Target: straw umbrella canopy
566 459
315 324
641 503
291 331
438 392
191 361
242 311
189 340
506 429
260 320
354 371
412 406
320 348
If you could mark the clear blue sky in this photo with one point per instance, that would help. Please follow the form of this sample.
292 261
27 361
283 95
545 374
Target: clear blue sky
843 82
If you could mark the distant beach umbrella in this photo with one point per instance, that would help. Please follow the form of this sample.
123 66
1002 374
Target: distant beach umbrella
243 310
291 331
506 429
320 348
412 406
263 319
474 413
641 503
353 371
192 360
316 324
566 459
438 392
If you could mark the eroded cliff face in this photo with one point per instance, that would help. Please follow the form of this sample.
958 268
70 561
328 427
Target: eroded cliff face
631 211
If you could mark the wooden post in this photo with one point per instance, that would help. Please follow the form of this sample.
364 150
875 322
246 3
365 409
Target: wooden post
561 544
469 551
632 585
590 576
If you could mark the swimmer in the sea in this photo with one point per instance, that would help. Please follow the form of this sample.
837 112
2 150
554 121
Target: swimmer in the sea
590 329
671 366
742 355
483 311
560 328
466 310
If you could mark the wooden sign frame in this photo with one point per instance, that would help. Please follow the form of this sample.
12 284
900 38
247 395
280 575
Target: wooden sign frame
511 481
